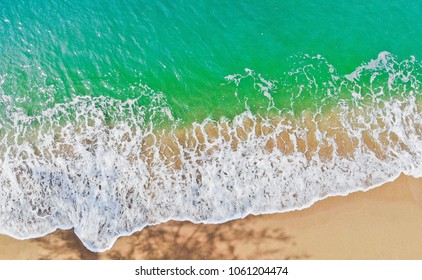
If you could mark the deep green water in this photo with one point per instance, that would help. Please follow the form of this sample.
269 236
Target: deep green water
52 51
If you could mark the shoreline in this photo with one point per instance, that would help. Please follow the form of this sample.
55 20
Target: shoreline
381 223
219 169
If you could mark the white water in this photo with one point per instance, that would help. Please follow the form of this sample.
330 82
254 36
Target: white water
69 168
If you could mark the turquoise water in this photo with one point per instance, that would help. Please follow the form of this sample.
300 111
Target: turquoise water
54 50
84 84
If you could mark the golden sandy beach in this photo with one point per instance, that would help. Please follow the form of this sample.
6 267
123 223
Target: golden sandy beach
382 223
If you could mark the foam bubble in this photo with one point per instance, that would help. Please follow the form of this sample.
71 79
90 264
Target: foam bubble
104 168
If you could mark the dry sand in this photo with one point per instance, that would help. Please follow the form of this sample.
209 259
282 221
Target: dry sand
383 223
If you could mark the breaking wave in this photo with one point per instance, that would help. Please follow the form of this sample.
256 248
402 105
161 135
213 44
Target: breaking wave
109 167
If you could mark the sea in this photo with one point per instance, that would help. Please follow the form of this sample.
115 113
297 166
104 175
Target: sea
117 115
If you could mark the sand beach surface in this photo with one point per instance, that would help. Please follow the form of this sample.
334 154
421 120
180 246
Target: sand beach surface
109 122
382 223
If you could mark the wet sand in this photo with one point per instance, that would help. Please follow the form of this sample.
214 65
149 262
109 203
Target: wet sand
382 223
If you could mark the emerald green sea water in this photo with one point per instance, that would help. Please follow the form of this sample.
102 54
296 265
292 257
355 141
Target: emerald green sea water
53 50
84 83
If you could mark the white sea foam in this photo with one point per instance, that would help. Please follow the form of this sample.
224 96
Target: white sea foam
68 167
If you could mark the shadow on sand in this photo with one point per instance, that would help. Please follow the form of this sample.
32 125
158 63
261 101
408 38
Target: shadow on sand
240 239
